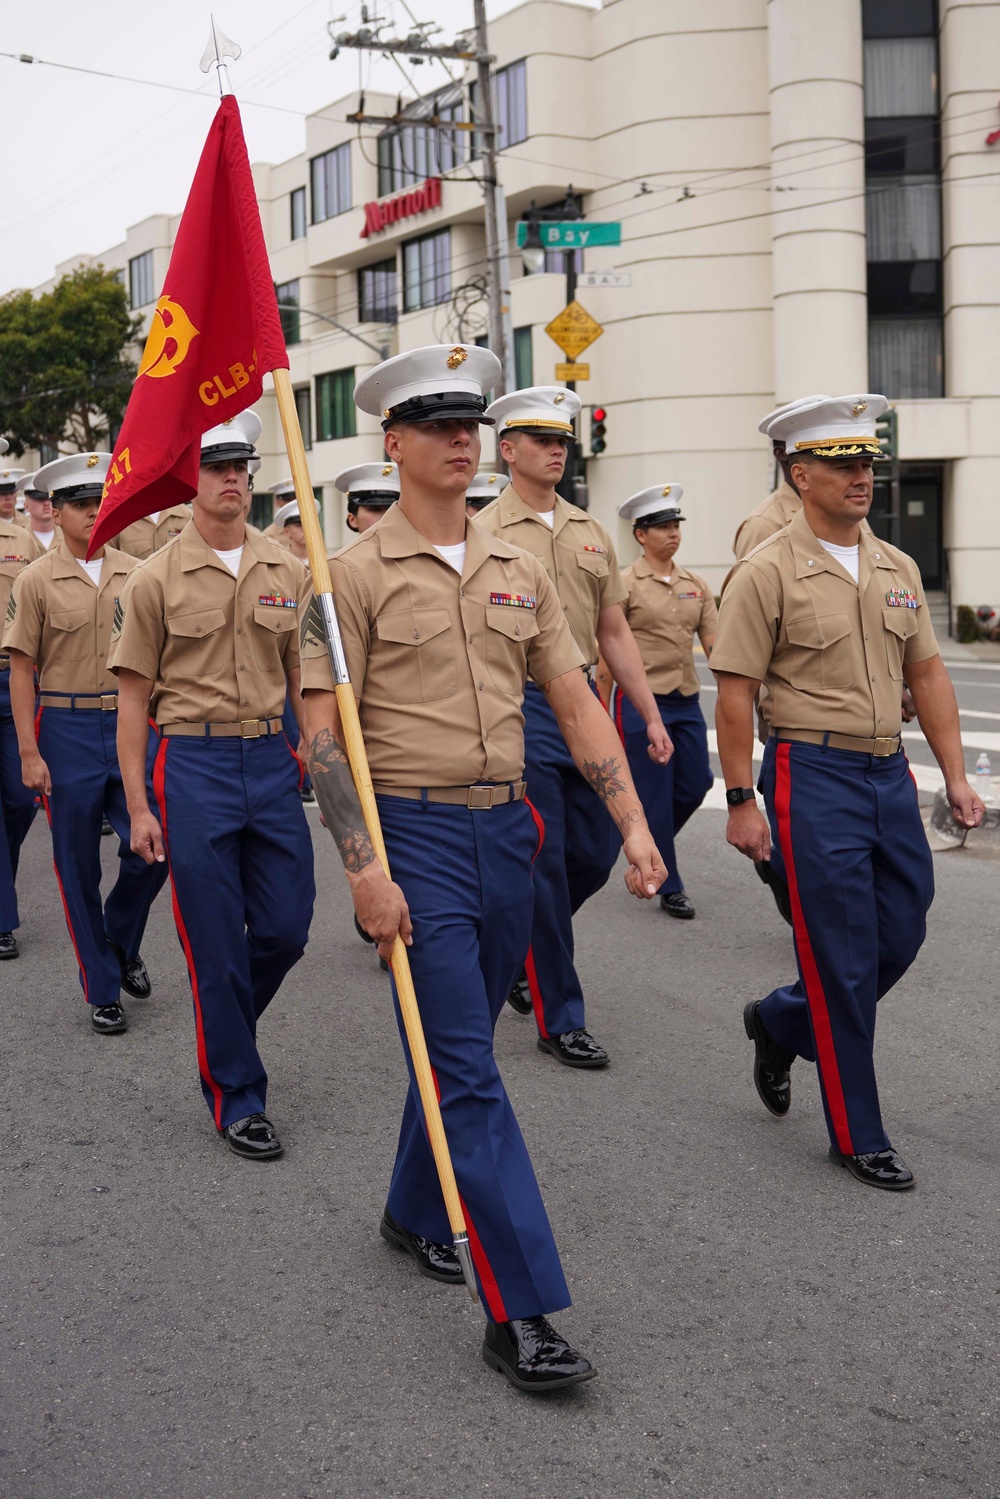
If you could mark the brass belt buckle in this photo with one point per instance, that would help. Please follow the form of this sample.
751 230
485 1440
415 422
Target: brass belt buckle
884 747
109 702
250 728
480 798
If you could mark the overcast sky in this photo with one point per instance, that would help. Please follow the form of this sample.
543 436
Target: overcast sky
87 156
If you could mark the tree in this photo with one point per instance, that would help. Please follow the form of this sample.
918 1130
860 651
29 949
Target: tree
65 371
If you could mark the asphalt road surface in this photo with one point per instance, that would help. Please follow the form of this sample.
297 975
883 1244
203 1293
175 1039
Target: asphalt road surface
180 1324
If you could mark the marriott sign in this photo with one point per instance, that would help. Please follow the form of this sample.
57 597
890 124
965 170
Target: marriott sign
379 216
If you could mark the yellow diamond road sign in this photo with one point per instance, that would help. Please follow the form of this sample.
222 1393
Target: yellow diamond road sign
574 330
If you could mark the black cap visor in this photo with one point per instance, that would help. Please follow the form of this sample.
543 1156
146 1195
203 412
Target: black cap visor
444 407
658 518
228 452
76 494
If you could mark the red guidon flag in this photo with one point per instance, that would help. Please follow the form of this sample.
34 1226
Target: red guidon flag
214 333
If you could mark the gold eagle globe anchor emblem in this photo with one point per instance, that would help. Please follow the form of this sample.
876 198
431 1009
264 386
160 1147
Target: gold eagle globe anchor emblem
170 336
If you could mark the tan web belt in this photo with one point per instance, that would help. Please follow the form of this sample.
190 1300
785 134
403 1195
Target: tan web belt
80 702
250 728
4 663
881 748
476 798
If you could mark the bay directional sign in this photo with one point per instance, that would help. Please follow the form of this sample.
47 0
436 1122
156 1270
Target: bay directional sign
604 278
579 235
574 330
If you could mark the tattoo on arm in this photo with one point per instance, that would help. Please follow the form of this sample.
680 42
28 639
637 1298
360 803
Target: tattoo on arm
605 777
338 801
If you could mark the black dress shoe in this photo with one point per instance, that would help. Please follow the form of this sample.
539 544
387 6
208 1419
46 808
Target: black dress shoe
770 1064
135 978
106 828
253 1137
574 1049
880 1168
307 794
436 1261
677 905
108 1020
533 1356
519 997
8 945
777 886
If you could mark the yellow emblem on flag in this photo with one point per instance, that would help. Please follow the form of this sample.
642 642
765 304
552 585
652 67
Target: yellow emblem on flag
170 336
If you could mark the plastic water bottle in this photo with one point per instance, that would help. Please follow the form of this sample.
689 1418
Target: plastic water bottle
983 777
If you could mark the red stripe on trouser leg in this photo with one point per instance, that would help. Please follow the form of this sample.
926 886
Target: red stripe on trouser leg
299 764
619 698
539 828
488 1281
536 994
826 1051
159 789
62 893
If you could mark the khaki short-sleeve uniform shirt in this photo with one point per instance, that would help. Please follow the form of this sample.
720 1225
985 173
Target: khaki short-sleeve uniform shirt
771 516
576 552
830 651
17 548
438 662
19 519
664 618
63 621
144 537
277 534
217 648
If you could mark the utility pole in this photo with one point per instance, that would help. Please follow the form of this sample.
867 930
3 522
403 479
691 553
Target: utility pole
496 273
367 39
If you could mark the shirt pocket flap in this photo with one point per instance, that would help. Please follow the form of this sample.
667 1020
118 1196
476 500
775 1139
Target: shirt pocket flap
517 624
412 626
197 623
68 619
277 620
817 630
901 622
593 562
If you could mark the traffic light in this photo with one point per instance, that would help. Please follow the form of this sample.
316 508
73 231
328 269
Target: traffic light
598 430
886 432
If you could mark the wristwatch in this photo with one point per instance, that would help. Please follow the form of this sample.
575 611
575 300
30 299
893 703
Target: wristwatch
740 794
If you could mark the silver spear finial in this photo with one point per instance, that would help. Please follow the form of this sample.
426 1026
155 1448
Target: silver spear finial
219 50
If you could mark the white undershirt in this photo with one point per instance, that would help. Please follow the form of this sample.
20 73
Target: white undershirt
154 516
45 537
846 556
231 559
454 556
92 569
664 578
548 516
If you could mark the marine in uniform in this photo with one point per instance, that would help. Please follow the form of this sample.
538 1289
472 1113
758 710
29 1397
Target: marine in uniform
144 537
666 607
9 493
370 489
441 623
17 801
485 487
38 509
206 644
282 493
828 617
578 852
59 622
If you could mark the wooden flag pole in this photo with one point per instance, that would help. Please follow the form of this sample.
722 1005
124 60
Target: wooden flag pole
354 747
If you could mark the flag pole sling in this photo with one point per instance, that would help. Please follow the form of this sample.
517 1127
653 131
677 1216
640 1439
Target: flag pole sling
357 758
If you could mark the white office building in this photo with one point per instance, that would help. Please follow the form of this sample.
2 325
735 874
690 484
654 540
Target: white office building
808 202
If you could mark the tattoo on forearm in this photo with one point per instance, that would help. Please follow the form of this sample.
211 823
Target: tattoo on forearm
338 801
605 777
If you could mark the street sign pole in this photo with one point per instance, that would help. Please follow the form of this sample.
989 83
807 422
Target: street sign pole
567 484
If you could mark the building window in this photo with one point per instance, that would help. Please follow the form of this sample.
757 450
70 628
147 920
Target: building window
511 104
140 280
331 183
297 206
426 271
48 452
303 406
288 292
523 364
903 199
425 146
556 260
377 292
335 414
